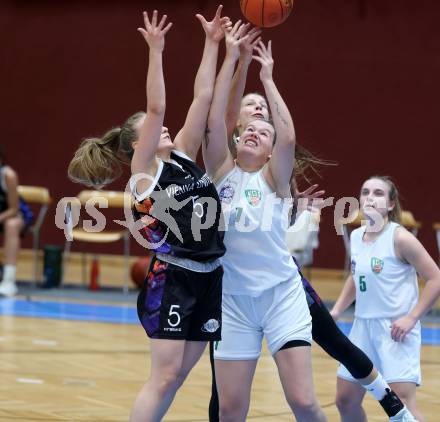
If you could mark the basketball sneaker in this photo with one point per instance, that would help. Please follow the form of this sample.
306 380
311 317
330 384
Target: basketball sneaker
8 288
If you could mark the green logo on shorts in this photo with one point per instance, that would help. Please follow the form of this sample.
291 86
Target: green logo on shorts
376 265
216 345
253 196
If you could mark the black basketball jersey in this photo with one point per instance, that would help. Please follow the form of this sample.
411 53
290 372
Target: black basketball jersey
181 214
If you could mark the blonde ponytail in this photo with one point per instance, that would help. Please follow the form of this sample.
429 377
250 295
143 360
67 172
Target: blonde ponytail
98 161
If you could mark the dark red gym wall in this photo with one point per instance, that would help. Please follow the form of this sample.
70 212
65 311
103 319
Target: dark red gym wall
360 76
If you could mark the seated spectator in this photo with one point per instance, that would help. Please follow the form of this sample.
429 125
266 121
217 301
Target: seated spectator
15 216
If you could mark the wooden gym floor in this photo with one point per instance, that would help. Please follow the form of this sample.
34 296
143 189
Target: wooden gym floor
59 369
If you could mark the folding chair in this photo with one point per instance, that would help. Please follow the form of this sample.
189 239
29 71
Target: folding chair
115 200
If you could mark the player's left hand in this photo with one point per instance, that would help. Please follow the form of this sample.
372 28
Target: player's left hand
310 193
247 47
155 31
309 199
264 56
234 38
401 327
213 29
308 196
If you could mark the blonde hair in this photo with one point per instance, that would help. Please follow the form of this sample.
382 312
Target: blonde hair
305 161
396 213
98 161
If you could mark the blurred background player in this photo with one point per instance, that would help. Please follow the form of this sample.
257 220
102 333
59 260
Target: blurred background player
385 260
15 216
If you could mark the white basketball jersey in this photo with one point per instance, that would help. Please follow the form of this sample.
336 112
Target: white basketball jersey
386 287
256 221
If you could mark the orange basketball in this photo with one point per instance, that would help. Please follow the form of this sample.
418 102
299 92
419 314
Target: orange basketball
266 13
139 271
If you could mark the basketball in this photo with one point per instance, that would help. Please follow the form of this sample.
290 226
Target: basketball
139 270
266 13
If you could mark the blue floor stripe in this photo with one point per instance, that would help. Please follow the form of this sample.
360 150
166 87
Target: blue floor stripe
69 311
122 314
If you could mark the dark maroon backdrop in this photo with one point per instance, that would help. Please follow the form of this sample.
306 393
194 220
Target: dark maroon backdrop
361 77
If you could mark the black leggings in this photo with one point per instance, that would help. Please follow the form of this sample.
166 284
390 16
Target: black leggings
327 334
214 410
334 342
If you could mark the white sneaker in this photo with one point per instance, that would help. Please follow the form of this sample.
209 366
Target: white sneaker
403 416
8 288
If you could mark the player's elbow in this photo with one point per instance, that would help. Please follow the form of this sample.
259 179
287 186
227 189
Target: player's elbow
214 121
204 96
157 108
436 283
290 139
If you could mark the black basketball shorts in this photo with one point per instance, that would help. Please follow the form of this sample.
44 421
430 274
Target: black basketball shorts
177 303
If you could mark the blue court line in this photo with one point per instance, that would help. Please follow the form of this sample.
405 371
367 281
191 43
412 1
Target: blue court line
69 311
122 314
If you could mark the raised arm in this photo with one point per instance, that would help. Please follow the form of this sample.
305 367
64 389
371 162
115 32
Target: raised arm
239 80
279 170
190 137
144 158
216 155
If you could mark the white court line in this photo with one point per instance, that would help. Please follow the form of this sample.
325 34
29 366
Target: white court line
29 381
11 402
41 342
71 381
100 402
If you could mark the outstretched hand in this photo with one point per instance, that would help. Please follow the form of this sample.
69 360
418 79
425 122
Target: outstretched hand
247 46
153 32
309 193
264 57
235 37
214 29
310 198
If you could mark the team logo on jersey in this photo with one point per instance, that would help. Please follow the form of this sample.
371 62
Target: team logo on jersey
353 266
376 265
253 196
211 326
226 193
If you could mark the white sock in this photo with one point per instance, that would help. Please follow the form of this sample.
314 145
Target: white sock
9 273
378 387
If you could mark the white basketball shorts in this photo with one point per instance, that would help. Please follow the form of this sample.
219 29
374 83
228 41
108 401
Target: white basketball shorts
396 361
280 314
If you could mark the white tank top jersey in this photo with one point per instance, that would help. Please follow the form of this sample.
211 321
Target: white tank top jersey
256 221
386 287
